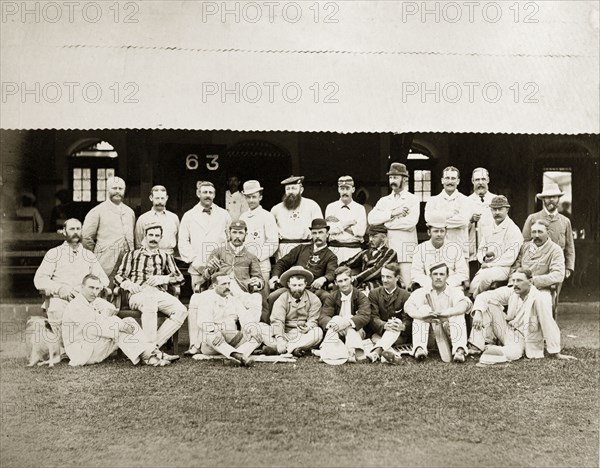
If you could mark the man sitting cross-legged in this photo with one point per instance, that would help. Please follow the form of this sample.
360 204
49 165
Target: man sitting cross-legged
294 319
524 327
389 325
368 263
145 274
92 332
440 306
219 318
345 313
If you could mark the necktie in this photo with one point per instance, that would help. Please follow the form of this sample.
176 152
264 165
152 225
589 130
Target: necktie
297 301
481 196
346 206
207 210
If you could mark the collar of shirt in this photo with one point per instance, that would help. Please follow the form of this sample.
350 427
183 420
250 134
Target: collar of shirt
300 301
454 195
551 215
235 250
390 292
144 250
399 195
502 225
254 212
158 213
345 297
315 250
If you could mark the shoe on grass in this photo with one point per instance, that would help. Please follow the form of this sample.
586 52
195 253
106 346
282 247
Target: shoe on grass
298 353
167 357
391 357
459 355
420 354
155 361
193 350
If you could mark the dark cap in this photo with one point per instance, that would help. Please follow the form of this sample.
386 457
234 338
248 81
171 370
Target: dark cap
238 225
292 180
346 181
377 229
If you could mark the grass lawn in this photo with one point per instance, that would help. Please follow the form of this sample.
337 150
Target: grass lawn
531 413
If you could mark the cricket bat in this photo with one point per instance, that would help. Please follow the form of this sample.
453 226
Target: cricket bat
443 343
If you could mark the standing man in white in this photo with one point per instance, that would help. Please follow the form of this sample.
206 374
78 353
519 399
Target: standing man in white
203 229
108 228
263 236
455 207
482 222
159 214
399 211
347 220
294 215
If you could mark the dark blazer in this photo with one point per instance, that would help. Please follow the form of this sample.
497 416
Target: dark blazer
385 307
360 306
322 263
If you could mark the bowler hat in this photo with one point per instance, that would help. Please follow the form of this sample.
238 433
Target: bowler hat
251 186
377 229
550 190
398 169
500 202
292 180
296 271
319 223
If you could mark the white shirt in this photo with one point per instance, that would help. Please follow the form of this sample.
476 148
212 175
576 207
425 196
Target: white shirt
263 236
427 255
457 209
345 214
505 241
484 225
235 204
346 308
200 233
382 212
295 224
170 224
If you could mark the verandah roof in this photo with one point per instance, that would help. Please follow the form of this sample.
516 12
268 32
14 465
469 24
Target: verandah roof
384 66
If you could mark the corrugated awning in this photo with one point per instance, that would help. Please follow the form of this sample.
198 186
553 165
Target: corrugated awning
378 66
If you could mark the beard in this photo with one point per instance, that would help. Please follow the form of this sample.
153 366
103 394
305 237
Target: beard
297 294
291 201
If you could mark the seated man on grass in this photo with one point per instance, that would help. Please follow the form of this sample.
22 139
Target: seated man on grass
390 325
92 332
524 329
345 314
220 323
294 319
443 307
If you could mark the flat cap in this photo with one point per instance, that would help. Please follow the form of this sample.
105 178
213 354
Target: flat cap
292 180
346 181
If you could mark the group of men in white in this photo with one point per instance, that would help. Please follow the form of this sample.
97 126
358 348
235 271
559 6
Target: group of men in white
347 286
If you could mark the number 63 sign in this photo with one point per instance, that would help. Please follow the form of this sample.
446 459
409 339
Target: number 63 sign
192 162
